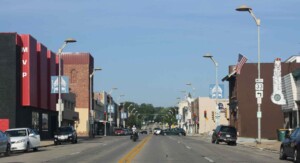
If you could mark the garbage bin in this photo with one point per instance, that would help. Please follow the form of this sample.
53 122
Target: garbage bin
281 133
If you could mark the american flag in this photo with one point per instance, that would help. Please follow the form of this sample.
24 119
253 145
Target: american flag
240 63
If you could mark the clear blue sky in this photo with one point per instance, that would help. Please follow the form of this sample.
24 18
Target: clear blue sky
150 49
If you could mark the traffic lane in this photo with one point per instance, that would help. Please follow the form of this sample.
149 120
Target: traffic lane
162 149
66 152
110 152
225 153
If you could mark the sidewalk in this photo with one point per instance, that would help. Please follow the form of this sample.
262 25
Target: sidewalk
268 145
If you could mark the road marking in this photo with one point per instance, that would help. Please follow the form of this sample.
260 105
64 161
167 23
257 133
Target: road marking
188 147
131 154
208 159
74 153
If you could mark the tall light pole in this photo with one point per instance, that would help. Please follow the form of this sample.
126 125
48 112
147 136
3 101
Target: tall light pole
60 104
217 116
118 111
193 88
258 80
110 92
91 103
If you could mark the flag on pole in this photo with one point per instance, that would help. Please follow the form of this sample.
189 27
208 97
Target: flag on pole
240 63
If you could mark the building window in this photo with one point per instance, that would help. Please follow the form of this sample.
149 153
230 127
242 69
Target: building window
35 121
45 122
73 76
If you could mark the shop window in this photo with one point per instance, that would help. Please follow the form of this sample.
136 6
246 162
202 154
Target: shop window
45 122
35 121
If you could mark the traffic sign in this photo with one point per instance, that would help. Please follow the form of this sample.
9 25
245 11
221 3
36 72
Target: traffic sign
259 94
259 86
110 119
258 114
259 80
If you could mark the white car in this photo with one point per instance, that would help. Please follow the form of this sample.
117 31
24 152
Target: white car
23 139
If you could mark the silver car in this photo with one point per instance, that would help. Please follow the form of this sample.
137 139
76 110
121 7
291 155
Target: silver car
4 144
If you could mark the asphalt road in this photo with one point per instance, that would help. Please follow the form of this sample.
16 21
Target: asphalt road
152 149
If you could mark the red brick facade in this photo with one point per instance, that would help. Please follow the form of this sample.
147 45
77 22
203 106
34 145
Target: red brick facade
78 67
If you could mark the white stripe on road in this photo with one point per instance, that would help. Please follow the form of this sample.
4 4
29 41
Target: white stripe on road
188 147
208 159
74 153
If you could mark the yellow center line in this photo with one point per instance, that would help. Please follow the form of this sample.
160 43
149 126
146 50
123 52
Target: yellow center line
131 154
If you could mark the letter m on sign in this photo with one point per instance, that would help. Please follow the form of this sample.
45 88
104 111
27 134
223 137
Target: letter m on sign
24 49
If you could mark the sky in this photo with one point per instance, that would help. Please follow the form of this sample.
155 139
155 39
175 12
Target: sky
150 49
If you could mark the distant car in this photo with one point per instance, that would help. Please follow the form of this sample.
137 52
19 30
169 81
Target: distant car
23 139
4 144
157 131
223 133
129 132
65 134
119 131
290 146
180 131
144 132
174 131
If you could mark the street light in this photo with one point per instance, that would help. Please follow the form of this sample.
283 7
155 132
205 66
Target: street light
110 92
69 40
91 103
118 111
208 55
258 80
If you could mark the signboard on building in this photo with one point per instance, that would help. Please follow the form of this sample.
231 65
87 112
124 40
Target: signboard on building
110 109
277 95
213 91
64 84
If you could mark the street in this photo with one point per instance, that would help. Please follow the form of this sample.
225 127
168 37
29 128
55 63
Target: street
149 148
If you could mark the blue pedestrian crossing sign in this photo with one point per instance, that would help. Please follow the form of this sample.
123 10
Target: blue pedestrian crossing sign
64 84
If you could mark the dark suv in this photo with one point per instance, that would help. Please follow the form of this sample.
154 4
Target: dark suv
65 134
225 134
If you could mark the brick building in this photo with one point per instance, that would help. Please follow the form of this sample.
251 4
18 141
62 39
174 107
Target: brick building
25 72
79 66
243 103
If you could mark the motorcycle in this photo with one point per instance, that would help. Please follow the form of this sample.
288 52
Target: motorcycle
134 136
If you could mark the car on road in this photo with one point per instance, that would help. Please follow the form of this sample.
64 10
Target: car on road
180 131
65 134
4 144
174 131
119 131
157 131
144 132
290 146
224 133
23 139
129 131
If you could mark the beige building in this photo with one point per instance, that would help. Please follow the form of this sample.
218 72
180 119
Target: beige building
192 115
208 123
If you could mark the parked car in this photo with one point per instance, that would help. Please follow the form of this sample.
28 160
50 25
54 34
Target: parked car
119 131
290 146
65 134
4 144
225 134
23 139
